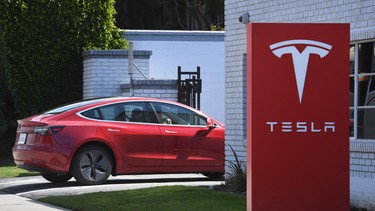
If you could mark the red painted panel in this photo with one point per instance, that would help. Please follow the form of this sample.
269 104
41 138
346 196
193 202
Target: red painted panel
139 144
185 146
297 92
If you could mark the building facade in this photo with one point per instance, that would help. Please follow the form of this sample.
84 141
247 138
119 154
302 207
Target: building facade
187 49
361 16
157 54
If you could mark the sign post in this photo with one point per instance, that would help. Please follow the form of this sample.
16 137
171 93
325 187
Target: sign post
297 121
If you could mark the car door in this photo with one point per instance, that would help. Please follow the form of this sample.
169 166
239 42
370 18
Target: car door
187 140
127 126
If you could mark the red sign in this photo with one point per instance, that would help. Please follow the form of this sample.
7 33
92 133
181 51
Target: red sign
297 121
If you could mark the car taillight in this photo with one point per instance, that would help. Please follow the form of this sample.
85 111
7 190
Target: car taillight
47 130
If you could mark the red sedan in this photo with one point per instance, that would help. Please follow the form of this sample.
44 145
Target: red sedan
93 139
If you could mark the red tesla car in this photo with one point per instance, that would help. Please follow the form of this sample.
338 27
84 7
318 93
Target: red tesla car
90 140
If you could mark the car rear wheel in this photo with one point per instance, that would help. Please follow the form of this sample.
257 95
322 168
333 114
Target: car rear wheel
91 165
57 177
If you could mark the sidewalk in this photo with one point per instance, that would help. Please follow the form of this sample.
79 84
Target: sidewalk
10 202
362 195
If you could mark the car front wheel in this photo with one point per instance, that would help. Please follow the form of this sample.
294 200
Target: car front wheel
91 165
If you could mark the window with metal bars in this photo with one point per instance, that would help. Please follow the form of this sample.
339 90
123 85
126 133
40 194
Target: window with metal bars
362 90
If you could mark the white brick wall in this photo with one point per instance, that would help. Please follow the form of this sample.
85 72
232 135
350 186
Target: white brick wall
362 160
359 13
105 71
163 89
106 74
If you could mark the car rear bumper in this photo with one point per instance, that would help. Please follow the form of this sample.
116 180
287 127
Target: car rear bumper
39 159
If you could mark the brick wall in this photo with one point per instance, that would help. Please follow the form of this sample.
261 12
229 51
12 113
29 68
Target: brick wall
105 70
106 74
359 13
362 160
163 89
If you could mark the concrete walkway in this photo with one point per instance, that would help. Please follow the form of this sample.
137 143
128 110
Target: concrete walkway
362 194
10 202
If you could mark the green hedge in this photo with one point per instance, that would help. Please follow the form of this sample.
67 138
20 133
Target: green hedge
3 88
45 39
7 114
41 62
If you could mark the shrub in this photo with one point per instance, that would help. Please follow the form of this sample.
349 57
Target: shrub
42 43
3 123
7 123
236 178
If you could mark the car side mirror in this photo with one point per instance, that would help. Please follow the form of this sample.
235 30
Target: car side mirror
210 123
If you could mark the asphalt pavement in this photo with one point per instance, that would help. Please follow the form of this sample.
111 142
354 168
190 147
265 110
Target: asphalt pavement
19 194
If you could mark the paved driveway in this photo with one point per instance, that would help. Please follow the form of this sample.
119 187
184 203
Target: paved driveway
36 187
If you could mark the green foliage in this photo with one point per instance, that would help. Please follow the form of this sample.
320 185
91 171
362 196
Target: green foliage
236 179
3 123
99 25
45 39
40 52
7 116
216 28
170 14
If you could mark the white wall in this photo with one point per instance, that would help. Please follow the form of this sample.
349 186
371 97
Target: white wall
187 49
104 71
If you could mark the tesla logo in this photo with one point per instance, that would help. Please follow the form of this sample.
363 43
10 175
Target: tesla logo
302 127
300 59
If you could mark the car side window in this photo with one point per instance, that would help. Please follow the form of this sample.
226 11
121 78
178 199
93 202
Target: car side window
136 112
177 115
93 114
124 112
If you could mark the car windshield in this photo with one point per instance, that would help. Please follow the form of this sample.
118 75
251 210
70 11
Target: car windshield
64 108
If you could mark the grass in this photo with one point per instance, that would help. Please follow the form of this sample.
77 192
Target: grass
158 198
13 171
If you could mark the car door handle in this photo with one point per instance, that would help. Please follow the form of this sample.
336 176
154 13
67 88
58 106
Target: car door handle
113 130
171 132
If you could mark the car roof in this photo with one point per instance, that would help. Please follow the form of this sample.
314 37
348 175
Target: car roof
81 106
86 104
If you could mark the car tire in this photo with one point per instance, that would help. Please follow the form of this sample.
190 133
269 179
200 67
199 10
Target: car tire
57 177
92 165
